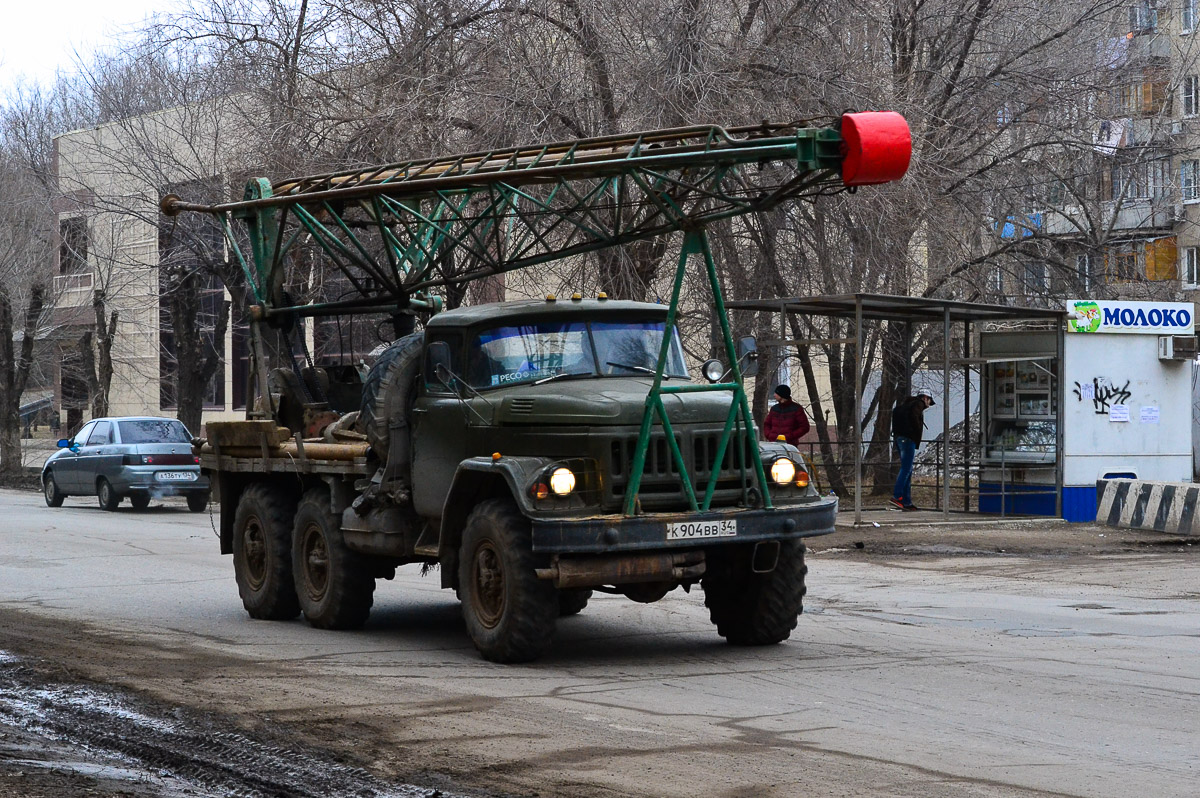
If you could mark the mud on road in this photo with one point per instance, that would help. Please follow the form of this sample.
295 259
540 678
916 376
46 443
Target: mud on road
63 737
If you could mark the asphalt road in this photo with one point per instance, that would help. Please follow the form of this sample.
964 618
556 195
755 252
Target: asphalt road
941 671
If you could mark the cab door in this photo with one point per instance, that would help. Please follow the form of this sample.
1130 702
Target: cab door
440 435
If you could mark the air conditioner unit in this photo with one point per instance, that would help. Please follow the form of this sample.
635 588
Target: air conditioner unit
1177 347
1176 127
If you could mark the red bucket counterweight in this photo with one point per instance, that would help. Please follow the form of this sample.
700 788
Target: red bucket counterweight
877 147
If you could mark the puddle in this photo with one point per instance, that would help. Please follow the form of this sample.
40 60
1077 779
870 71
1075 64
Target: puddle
49 727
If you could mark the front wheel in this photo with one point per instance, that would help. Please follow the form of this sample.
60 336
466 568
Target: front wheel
509 612
108 498
262 552
54 497
756 609
333 583
197 502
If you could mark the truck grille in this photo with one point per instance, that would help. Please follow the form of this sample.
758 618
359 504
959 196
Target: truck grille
661 488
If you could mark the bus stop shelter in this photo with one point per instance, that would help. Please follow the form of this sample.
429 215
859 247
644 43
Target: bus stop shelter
860 308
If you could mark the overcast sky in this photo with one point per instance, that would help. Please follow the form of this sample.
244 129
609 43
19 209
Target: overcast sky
39 36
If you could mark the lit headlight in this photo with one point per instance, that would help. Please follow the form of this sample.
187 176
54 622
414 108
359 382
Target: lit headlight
783 471
562 481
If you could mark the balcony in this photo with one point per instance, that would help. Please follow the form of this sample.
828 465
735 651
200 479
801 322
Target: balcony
72 290
1149 46
1133 214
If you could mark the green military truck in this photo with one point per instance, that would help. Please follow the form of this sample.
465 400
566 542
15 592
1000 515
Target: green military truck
534 451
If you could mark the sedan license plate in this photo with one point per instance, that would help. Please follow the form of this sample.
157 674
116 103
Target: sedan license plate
696 530
175 476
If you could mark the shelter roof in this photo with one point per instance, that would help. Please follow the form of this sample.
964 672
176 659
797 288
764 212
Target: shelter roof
897 308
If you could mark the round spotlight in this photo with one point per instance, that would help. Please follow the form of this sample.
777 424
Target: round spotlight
562 481
713 370
783 471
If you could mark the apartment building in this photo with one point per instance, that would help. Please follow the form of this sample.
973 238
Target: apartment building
1128 228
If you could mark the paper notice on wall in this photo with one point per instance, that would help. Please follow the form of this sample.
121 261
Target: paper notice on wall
1118 413
1149 415
1087 392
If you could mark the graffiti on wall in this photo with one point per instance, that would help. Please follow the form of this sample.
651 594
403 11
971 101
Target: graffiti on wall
1102 393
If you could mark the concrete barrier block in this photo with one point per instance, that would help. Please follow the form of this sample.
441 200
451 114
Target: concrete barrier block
1141 504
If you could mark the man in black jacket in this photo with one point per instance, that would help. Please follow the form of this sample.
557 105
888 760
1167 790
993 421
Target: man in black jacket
908 421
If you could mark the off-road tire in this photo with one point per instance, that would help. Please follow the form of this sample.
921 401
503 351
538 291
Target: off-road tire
262 552
509 612
139 501
333 584
571 601
53 496
388 390
106 497
752 609
197 502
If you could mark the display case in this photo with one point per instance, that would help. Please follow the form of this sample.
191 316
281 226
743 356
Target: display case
1022 404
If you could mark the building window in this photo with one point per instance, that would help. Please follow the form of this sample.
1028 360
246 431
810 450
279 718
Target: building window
1189 180
188 250
1190 267
73 246
1083 272
1123 264
1188 16
1035 279
1143 16
1191 95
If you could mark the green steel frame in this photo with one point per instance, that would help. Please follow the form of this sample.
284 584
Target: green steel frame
389 230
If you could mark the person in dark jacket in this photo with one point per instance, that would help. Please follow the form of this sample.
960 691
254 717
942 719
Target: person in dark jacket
786 418
908 421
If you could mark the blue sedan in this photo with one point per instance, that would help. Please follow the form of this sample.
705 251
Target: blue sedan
138 457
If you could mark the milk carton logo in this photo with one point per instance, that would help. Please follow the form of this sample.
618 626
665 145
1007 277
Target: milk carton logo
1087 317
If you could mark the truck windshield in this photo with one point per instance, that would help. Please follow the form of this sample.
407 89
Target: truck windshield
526 353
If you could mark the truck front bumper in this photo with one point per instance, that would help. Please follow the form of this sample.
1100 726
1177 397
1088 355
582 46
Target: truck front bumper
602 534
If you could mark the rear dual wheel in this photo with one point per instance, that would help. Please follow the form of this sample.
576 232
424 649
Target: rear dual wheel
262 552
334 585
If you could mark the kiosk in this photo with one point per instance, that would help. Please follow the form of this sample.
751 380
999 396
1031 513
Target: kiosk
1123 396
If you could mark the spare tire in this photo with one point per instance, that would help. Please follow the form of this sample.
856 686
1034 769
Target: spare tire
387 394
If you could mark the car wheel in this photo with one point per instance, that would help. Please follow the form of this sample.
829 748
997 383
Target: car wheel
139 502
54 497
108 498
197 502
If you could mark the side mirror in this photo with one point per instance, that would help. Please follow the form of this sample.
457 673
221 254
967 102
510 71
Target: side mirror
747 352
64 443
439 360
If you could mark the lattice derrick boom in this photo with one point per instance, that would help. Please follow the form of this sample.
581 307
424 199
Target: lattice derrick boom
389 229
